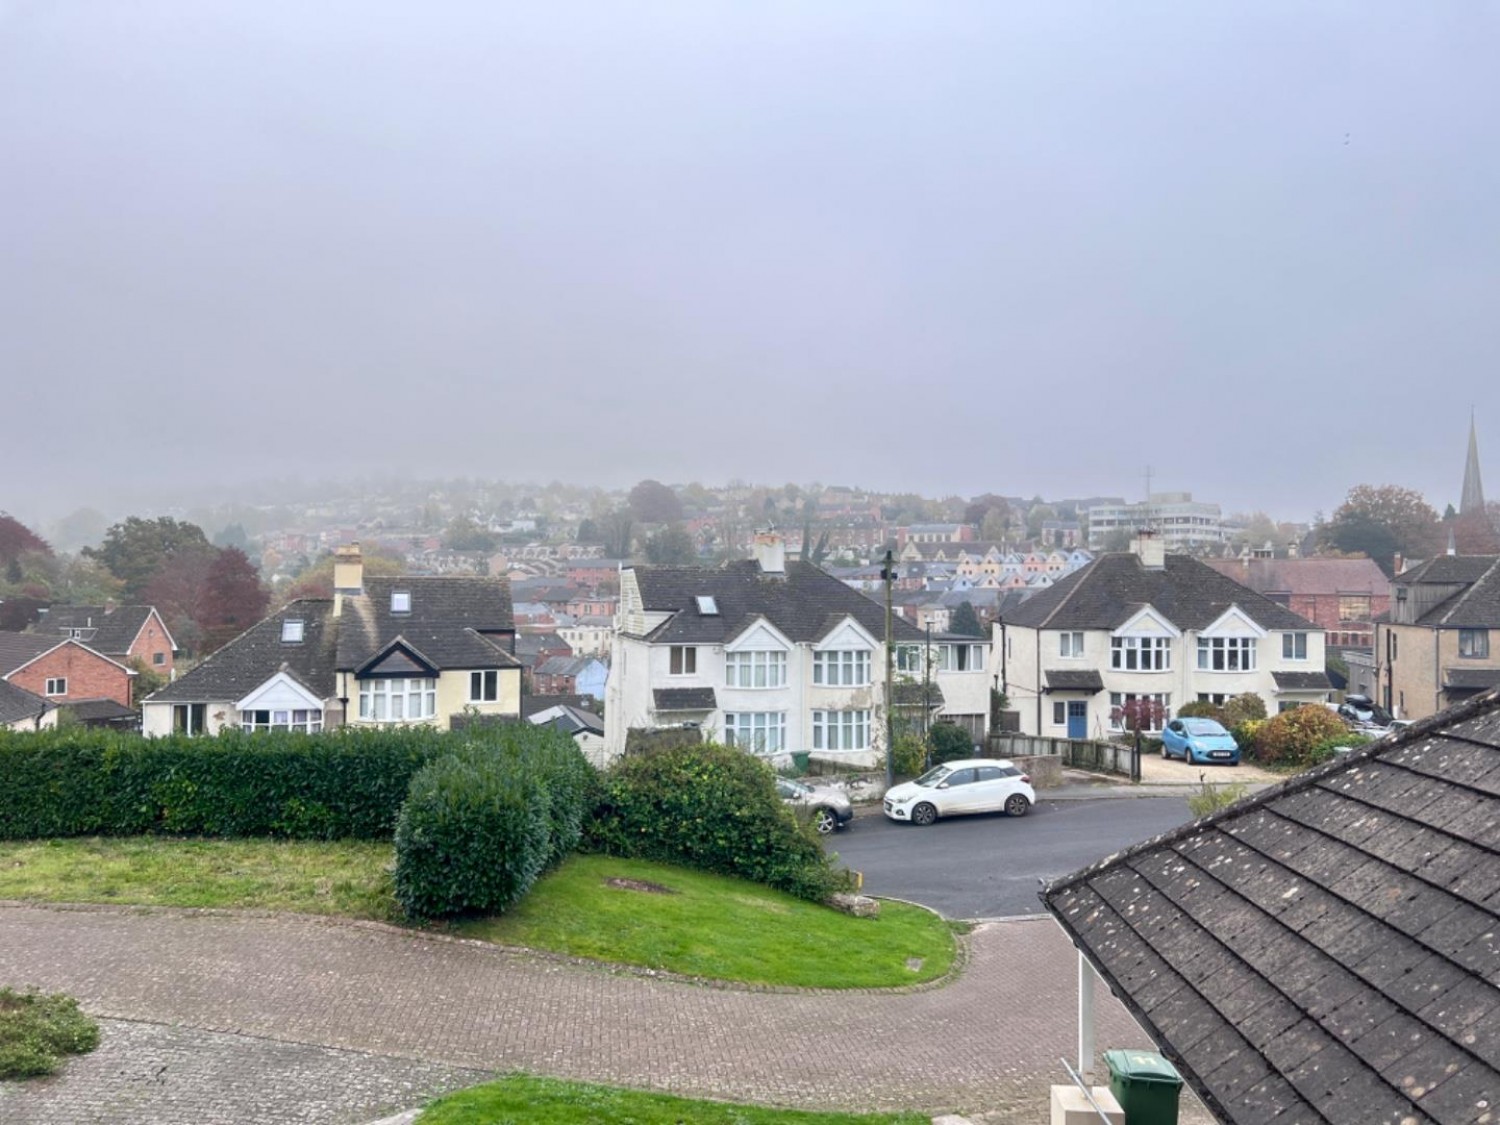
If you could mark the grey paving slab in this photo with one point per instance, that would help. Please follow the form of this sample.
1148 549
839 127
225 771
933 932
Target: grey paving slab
151 1074
988 1041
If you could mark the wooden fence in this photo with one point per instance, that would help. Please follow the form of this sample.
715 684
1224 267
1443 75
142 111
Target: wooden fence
1075 753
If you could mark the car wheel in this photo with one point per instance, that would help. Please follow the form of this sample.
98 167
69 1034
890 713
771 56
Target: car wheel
1017 805
1164 753
824 821
923 814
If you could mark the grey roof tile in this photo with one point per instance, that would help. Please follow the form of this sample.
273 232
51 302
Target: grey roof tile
17 649
684 699
259 653
104 630
18 704
1343 924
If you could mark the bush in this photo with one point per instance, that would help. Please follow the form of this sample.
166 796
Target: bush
1293 737
909 755
713 808
1243 708
473 835
1202 709
949 741
36 1031
1211 798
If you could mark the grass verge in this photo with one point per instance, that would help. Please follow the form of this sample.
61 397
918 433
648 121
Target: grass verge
344 877
37 1031
641 913
546 1101
621 910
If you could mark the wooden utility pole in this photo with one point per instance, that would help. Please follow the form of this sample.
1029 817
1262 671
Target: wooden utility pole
888 573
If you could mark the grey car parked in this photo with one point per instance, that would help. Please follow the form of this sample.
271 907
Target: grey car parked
829 808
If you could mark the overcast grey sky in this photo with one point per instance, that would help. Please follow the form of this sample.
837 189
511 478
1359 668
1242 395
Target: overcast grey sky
934 246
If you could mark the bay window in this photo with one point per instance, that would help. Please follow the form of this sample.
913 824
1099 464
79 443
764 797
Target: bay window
306 721
1140 654
763 732
841 730
1226 654
398 700
758 669
841 669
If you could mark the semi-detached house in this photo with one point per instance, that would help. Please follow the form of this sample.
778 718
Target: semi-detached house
1144 633
771 655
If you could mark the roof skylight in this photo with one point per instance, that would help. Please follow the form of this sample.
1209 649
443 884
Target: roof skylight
291 631
400 601
707 606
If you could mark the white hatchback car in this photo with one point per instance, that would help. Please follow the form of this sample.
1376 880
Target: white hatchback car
969 785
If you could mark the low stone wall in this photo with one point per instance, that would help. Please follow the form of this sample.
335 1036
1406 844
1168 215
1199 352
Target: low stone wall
1046 771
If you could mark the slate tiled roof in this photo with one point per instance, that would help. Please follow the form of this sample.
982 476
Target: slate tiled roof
905 693
564 665
803 605
445 622
1328 950
100 711
258 653
1107 592
17 704
1475 607
17 649
684 699
1470 679
108 631
1302 681
1074 680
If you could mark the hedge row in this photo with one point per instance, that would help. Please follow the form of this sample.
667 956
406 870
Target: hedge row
713 808
480 824
88 782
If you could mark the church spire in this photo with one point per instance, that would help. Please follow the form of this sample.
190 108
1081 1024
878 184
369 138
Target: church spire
1473 494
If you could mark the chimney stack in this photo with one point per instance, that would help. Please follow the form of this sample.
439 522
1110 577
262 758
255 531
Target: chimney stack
1149 548
770 552
348 575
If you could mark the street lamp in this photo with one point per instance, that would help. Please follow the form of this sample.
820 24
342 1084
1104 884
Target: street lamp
888 576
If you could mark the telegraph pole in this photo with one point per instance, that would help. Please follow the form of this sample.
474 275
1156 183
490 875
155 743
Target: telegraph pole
888 573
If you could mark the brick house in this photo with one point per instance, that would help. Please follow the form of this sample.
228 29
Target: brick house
123 633
62 670
1343 596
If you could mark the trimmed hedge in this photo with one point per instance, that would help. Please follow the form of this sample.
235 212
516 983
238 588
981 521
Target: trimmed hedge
713 808
340 784
480 824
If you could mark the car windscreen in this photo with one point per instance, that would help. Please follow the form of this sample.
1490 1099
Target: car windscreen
1202 727
933 776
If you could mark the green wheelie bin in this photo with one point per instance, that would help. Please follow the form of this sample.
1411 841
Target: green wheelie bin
1146 1085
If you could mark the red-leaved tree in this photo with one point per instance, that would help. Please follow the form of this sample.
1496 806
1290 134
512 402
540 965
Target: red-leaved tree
233 601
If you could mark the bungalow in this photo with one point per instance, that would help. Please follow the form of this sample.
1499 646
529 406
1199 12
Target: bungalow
382 651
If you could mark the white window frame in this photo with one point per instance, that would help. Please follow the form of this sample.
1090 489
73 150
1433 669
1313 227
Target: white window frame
842 668
400 601
947 657
908 658
1226 651
1118 700
841 730
158 658
755 669
414 697
682 660
1474 644
761 732
57 685
1059 713
1070 645
1140 654
303 720
484 685
293 630
1290 643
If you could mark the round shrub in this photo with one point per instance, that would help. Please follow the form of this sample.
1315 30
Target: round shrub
909 755
713 808
1243 708
1292 737
473 835
1203 709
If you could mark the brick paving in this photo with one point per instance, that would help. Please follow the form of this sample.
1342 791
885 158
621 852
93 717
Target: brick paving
986 1042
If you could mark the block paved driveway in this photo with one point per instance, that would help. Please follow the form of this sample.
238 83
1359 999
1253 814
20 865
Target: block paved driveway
321 1008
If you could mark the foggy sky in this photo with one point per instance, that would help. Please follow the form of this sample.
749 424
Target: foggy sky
940 247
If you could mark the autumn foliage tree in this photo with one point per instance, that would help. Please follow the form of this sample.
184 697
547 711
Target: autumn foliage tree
653 502
16 539
1382 521
233 600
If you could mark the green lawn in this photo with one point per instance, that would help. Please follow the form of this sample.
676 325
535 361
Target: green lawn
521 1100
346 877
707 926
722 928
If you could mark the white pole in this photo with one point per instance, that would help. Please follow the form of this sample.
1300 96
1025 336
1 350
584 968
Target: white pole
1085 1019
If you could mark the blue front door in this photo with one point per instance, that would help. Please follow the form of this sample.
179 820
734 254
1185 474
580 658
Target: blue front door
1078 718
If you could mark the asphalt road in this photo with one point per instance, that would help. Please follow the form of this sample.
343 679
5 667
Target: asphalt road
988 866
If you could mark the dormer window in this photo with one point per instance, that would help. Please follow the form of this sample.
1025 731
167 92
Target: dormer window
707 606
291 631
400 601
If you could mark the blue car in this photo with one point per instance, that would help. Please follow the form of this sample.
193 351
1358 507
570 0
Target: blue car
1199 741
